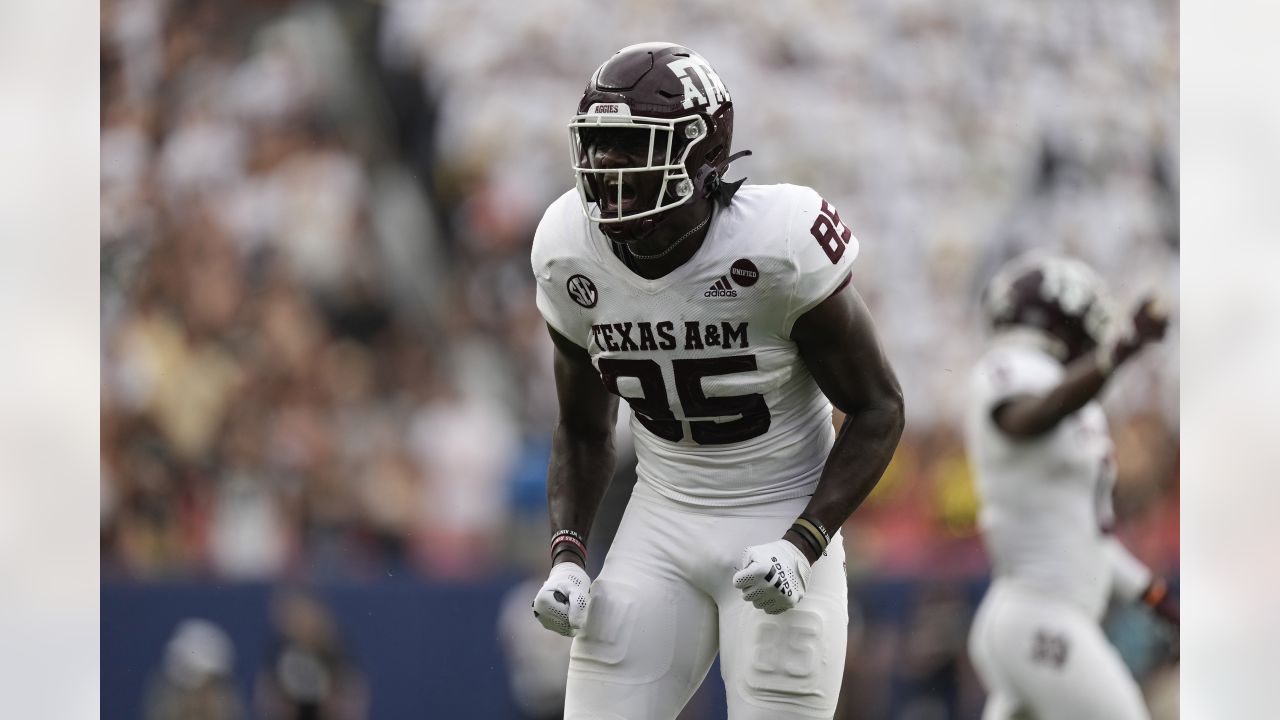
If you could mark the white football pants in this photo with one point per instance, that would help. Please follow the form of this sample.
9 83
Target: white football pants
664 603
1045 659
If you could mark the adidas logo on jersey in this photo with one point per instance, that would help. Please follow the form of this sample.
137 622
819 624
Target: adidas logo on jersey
721 288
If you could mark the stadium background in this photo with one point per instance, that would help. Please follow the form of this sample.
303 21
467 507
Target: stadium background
326 396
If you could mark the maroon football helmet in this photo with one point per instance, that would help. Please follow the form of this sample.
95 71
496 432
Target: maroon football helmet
664 118
1061 299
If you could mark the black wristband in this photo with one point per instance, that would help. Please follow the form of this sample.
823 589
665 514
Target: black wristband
568 547
815 526
807 535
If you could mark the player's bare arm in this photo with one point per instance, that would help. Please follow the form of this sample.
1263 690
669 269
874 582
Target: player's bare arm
577 476
838 342
582 453
1026 416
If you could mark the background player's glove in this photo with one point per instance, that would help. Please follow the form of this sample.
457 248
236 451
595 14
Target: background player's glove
1157 598
773 576
562 603
1148 324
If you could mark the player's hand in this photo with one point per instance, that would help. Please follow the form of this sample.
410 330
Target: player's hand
1147 325
773 576
562 603
1157 598
1150 321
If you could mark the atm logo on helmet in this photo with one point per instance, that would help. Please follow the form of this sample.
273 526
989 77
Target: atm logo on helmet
713 91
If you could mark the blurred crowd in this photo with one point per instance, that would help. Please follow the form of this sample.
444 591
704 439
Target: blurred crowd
320 354
307 674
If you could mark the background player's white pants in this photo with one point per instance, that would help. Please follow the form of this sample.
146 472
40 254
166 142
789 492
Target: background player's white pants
1042 658
664 603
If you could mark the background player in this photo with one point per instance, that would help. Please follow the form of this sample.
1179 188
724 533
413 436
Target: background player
724 315
1044 462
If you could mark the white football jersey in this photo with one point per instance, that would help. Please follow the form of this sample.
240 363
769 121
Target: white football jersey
724 411
1044 500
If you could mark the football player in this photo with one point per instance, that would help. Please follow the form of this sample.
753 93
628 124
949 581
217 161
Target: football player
725 317
1044 462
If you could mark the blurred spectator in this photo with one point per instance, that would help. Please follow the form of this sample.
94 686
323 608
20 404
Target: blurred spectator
195 680
309 675
537 661
469 446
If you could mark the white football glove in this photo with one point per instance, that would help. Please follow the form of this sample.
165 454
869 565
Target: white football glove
562 603
773 576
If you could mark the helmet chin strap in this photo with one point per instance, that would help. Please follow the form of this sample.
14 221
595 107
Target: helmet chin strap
642 229
673 245
636 229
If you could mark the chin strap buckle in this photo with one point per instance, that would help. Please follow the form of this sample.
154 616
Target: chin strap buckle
710 180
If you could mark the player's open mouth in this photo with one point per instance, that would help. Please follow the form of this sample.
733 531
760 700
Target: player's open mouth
610 200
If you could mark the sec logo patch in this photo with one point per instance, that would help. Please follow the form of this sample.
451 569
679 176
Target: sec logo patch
582 290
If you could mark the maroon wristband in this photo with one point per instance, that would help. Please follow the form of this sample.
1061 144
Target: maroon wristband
568 542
